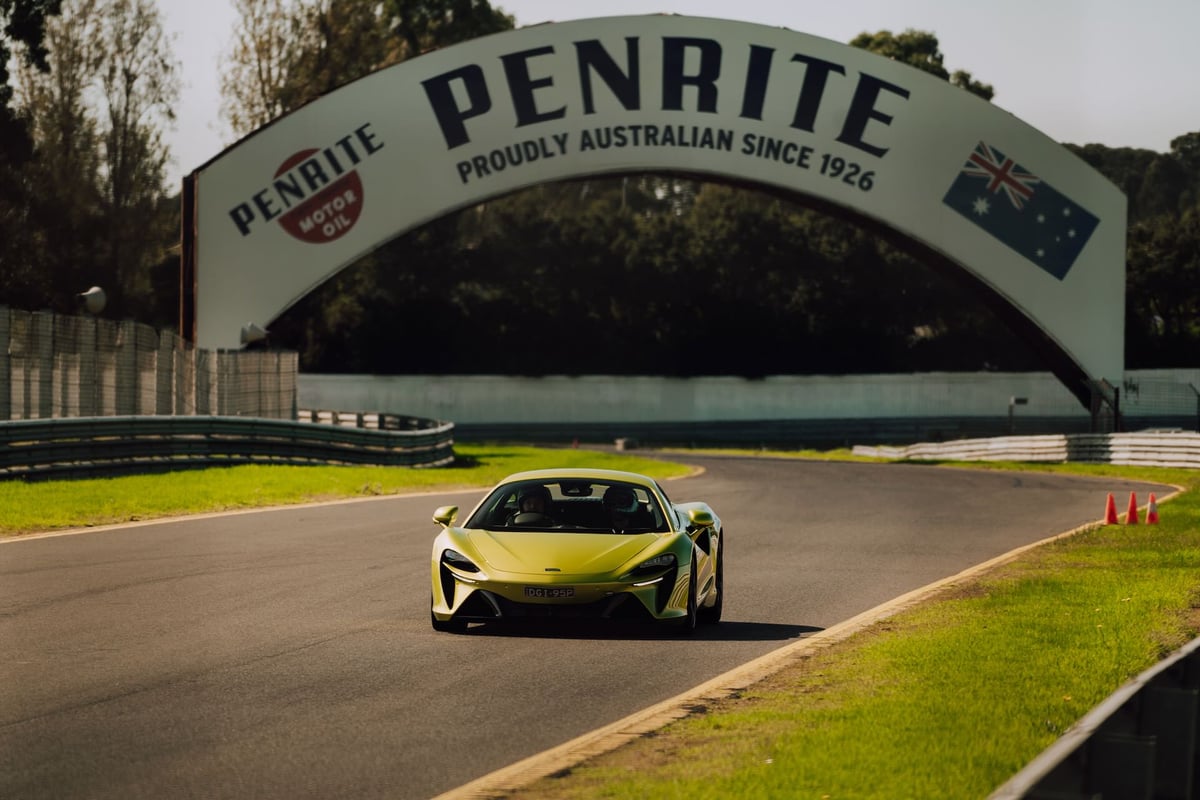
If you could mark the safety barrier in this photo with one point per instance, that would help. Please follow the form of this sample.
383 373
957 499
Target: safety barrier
81 446
1139 743
1146 449
371 420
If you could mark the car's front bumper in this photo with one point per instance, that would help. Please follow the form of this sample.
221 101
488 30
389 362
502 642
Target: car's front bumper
477 599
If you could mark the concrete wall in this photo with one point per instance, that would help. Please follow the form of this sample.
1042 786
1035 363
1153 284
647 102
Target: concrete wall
469 399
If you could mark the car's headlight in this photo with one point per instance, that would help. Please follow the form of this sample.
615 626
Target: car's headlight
658 562
651 570
453 558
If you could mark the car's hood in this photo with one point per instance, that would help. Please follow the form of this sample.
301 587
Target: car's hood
569 553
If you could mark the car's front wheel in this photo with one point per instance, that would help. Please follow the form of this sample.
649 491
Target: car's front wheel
712 614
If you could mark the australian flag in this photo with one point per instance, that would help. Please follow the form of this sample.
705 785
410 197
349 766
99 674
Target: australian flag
1021 210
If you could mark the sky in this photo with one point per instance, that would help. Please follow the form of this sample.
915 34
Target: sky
1122 73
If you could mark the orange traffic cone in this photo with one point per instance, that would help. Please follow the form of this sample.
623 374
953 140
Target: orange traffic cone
1152 511
1110 511
1131 516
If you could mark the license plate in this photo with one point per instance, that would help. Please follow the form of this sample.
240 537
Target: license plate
549 592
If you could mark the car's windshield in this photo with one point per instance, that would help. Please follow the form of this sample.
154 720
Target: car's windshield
571 505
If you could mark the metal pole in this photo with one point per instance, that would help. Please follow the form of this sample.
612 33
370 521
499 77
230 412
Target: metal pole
1193 388
187 260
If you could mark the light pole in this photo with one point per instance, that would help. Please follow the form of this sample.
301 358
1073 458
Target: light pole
93 300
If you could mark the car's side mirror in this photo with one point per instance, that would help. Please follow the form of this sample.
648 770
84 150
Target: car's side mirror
699 518
445 515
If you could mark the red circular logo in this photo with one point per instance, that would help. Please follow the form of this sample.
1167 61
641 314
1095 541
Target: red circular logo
327 215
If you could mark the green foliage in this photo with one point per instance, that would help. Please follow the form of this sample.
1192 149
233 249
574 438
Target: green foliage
86 206
24 24
424 25
919 49
1163 301
288 54
643 275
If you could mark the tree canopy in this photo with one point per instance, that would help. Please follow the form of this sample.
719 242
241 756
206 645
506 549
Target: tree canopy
89 206
24 25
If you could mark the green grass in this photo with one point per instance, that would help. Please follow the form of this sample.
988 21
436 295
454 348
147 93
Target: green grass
54 505
946 700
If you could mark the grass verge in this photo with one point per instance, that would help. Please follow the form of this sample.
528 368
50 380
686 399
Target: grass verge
56 505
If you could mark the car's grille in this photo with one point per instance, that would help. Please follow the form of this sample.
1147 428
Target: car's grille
482 606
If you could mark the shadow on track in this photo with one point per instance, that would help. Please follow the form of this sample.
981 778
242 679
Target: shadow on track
576 629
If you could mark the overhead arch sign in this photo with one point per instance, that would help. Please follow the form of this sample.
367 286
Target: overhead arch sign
968 183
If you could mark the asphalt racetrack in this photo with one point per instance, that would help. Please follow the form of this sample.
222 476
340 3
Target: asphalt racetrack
288 653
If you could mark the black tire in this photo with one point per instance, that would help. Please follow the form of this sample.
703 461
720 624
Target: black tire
711 615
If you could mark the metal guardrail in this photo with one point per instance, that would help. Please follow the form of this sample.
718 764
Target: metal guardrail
1147 449
82 446
1139 743
371 420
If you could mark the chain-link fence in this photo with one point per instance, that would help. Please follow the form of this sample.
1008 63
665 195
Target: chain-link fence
1160 403
52 365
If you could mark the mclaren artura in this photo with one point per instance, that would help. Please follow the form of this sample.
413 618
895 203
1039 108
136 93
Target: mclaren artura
578 544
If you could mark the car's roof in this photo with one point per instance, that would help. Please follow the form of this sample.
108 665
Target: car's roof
578 473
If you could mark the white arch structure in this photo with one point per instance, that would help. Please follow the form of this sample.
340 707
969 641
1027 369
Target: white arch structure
956 179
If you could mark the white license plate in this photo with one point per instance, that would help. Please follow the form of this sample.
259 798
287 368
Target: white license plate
549 592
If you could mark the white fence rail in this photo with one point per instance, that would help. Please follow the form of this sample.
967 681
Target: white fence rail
1158 449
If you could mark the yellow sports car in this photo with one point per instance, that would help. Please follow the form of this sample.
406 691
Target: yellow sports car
578 543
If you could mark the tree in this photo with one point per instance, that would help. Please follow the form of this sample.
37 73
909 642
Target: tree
99 156
1163 291
1185 150
919 49
140 85
337 41
252 87
22 24
424 25
25 25
286 54
64 164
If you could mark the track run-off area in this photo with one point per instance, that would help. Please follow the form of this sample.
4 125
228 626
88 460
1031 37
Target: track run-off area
288 652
